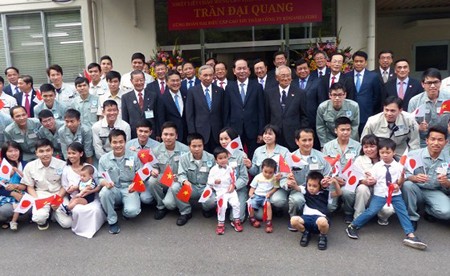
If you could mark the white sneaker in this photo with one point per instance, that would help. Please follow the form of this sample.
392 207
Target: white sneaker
383 222
13 226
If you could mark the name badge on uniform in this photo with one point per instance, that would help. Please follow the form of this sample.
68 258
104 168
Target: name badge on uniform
314 167
93 109
32 136
233 164
348 113
149 114
203 169
59 171
129 163
349 155
20 141
438 110
441 170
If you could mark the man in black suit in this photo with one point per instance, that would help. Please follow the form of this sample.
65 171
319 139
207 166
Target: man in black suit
159 86
320 58
245 106
403 86
221 71
280 58
139 103
285 107
204 108
260 69
189 73
26 96
365 88
385 72
335 76
12 74
312 88
171 106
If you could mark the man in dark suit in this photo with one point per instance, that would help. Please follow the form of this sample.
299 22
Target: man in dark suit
285 107
244 100
365 87
221 71
279 58
204 108
260 69
171 106
403 86
385 72
335 76
189 73
12 74
27 94
312 88
159 86
139 103
320 58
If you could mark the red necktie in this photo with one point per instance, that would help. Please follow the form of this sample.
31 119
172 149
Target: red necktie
162 87
141 100
221 84
332 80
27 105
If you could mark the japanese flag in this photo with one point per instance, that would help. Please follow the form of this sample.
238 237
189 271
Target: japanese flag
413 162
145 171
221 203
265 208
404 158
38 98
207 193
296 161
106 176
353 177
347 166
5 169
249 204
420 111
234 145
25 204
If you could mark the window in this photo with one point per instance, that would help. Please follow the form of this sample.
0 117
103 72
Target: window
39 39
432 55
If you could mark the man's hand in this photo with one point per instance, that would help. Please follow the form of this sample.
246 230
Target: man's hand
420 178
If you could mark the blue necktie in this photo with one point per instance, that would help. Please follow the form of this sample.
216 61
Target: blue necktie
190 83
358 82
17 89
388 175
302 84
177 104
208 98
283 100
242 92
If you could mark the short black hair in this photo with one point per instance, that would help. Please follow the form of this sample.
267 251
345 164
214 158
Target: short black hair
135 73
55 67
43 142
169 124
138 56
369 139
236 60
221 62
11 110
400 60
277 53
2 80
232 133
47 87
107 58
337 85
27 79
113 75
393 100
439 129
144 123
342 121
300 62
360 54
78 147
88 168
270 163
386 143
171 73
72 113
219 150
385 52
45 113
93 65
431 73
258 60
80 80
315 175
13 68
275 129
194 136
117 132
109 103
298 132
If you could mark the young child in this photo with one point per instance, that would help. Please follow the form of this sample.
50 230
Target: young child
86 185
387 172
263 186
221 179
315 212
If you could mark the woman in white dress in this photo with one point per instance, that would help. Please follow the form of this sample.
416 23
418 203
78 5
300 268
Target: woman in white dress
86 219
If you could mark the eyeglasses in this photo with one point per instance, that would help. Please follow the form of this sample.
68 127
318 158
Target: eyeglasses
436 82
337 95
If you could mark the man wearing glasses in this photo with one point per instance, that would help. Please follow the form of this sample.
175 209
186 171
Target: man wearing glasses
430 101
337 106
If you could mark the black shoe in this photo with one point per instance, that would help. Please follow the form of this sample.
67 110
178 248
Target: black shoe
415 224
114 228
160 214
183 219
306 237
278 212
415 243
429 218
322 245
208 214
352 232
348 219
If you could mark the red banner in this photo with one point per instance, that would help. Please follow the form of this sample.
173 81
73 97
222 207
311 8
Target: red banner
206 14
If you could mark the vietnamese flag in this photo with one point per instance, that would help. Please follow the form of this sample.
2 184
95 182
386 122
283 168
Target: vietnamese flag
390 191
283 166
2 104
25 204
332 161
138 184
86 75
266 205
147 157
445 107
57 200
167 177
184 194
39 203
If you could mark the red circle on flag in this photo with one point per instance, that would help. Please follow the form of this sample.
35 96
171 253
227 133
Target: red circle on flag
206 193
334 169
352 180
25 203
295 158
5 170
234 145
150 158
412 163
146 171
220 202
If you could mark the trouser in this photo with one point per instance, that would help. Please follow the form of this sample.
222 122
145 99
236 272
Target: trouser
348 200
185 207
231 199
243 196
363 194
146 196
41 216
6 212
376 204
109 198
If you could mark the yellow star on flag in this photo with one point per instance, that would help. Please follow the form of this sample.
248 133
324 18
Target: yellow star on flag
169 176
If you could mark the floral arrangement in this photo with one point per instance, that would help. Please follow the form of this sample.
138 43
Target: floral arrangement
329 48
172 59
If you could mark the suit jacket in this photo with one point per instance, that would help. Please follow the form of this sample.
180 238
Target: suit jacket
290 119
167 111
19 97
391 76
413 88
369 96
184 84
313 91
198 116
247 117
7 89
132 114
155 87
325 87
315 73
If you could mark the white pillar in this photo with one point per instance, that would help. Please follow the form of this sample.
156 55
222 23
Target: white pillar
371 35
